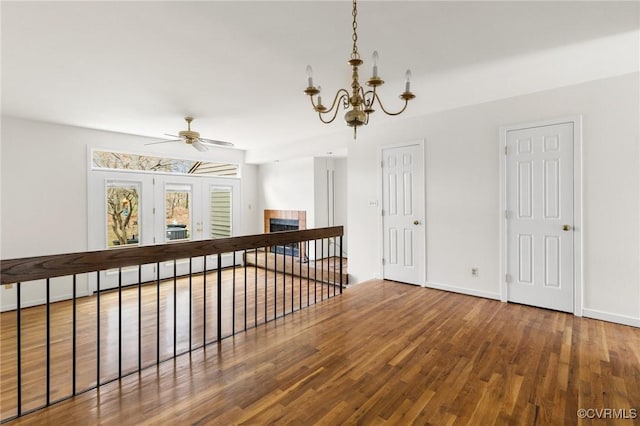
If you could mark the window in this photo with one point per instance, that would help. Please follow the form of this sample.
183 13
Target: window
178 212
134 162
221 222
123 201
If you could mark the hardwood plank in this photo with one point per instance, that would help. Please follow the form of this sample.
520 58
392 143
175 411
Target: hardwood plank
384 353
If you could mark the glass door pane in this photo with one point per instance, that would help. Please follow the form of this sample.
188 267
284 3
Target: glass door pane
221 212
123 201
178 212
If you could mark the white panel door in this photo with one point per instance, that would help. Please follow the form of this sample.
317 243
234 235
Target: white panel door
539 203
403 214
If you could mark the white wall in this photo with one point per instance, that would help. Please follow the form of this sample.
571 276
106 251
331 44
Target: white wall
462 191
287 185
251 214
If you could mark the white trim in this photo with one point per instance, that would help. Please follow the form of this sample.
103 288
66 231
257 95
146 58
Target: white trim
421 144
576 120
463 290
43 301
607 316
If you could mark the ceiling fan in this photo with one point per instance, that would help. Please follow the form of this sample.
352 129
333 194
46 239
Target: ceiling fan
191 137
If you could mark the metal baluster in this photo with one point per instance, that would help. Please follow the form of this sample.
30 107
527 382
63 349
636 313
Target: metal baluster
139 318
322 269
315 271
119 322
190 302
158 315
341 264
233 296
175 307
292 275
266 276
98 329
275 285
73 338
204 307
48 342
245 289
19 347
219 296
284 279
333 270
306 244
255 292
300 275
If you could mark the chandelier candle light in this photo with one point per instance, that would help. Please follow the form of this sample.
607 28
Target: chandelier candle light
358 103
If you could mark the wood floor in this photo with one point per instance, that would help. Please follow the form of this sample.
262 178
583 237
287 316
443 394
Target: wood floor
385 353
267 296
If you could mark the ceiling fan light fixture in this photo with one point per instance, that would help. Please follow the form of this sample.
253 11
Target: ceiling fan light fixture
358 103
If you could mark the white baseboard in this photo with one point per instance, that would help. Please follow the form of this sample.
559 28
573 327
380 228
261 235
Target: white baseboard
607 316
43 301
463 290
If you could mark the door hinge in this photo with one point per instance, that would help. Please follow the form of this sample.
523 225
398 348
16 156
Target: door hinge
154 210
506 150
507 278
382 212
382 164
383 261
507 214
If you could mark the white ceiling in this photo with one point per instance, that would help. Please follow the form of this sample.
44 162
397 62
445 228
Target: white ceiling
239 67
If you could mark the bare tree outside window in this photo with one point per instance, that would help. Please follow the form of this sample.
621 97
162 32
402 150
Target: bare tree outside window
134 162
122 215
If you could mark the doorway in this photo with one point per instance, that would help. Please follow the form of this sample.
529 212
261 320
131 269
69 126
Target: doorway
128 209
403 210
541 215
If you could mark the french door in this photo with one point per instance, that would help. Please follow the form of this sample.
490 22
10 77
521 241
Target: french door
136 209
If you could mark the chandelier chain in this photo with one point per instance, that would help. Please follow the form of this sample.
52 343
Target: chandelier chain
354 53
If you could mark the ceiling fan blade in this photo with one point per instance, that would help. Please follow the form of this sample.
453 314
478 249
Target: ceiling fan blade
216 143
153 143
199 146
173 136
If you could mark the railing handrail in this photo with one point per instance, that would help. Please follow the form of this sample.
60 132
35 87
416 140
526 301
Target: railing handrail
41 267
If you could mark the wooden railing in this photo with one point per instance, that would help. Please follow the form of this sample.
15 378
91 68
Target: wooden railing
228 300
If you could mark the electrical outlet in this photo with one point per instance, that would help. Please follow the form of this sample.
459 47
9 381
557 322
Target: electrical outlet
474 272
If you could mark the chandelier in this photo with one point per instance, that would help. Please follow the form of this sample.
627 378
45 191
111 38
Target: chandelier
358 103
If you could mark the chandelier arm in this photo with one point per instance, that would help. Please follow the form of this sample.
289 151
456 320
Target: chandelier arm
312 103
376 97
337 98
335 111
369 103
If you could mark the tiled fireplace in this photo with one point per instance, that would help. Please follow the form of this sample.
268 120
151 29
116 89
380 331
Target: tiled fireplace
285 220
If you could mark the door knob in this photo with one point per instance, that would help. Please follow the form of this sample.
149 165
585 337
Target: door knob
416 222
566 227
